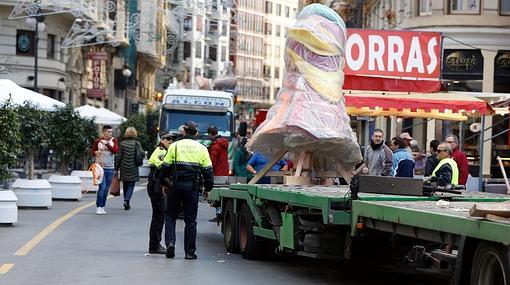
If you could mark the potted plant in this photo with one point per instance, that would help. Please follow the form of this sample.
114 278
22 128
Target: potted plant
34 131
70 137
10 143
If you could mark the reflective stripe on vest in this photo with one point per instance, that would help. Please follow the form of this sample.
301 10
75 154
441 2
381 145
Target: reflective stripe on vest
453 165
188 152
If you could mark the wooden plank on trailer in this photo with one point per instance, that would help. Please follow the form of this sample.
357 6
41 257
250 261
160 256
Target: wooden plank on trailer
483 209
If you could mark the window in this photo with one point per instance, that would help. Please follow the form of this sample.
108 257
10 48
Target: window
504 7
198 49
224 28
213 53
186 50
287 11
188 23
465 6
278 28
425 7
278 9
50 49
223 53
267 71
63 51
269 7
25 43
276 72
198 71
267 28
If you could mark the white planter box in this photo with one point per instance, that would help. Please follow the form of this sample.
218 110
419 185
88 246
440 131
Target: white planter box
87 183
8 207
65 187
145 169
32 193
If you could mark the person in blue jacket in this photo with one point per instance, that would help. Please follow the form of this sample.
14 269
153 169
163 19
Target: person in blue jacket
403 162
257 163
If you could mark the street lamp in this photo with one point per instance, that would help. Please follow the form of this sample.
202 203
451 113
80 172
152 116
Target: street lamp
126 71
36 23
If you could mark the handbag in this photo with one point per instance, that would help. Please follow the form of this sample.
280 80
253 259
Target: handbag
115 186
139 154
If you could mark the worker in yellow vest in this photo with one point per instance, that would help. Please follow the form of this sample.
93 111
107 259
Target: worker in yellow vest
156 194
446 172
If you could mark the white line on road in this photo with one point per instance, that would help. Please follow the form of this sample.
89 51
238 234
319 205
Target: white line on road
6 267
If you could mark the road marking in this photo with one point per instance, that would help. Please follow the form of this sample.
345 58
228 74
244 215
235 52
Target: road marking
25 249
6 267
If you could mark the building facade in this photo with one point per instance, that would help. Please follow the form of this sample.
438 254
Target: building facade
201 31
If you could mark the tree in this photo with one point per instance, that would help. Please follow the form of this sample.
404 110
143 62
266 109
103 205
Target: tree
71 136
140 122
10 140
34 132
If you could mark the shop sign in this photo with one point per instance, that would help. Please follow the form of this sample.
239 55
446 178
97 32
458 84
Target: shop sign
502 64
394 54
462 64
97 90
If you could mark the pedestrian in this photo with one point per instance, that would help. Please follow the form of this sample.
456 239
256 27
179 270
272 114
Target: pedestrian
378 157
104 149
257 163
156 194
241 158
432 160
460 158
127 161
218 152
446 172
407 142
403 163
185 168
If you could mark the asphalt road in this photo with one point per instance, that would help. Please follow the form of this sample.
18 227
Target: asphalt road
112 249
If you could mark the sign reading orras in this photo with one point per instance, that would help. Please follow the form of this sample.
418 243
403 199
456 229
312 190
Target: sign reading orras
97 90
396 54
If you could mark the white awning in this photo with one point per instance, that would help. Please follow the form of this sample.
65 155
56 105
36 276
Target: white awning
101 115
20 95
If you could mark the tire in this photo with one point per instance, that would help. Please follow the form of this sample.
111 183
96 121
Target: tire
230 228
490 265
248 245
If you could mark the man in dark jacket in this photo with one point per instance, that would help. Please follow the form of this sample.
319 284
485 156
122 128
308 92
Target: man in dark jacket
432 160
186 166
446 172
218 151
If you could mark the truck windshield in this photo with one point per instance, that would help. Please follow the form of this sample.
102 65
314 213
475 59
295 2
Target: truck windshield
172 119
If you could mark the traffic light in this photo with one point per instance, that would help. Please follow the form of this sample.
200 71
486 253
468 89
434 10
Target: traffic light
158 96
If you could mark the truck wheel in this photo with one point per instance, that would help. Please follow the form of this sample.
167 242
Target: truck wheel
247 240
230 228
490 265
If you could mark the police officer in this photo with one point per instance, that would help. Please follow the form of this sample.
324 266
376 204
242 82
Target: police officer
156 194
185 167
446 172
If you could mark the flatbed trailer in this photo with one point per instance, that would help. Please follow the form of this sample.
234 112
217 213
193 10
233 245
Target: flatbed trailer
429 233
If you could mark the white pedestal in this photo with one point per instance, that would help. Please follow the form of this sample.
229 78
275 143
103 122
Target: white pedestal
8 207
32 193
65 187
87 183
145 169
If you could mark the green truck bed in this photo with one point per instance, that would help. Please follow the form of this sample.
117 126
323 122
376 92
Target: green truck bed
414 211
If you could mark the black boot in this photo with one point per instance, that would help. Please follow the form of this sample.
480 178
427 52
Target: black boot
126 205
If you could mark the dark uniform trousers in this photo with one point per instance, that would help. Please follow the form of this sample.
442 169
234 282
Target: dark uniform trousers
184 192
158 212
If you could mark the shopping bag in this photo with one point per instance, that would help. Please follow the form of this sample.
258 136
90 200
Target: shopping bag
97 173
115 186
